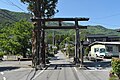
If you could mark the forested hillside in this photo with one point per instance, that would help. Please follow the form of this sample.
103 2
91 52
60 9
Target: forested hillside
102 30
16 33
8 17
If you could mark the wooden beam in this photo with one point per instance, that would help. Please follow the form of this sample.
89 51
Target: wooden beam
60 19
62 27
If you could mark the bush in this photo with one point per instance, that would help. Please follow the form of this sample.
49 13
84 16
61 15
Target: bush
112 76
116 66
50 54
1 54
18 55
86 51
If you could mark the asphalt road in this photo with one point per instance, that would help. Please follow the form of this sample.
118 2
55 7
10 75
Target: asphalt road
60 68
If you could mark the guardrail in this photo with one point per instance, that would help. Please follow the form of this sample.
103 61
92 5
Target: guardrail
11 57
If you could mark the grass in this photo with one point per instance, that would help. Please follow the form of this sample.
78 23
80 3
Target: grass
113 78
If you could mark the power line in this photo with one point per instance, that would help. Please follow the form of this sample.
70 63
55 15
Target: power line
7 14
8 17
2 17
105 17
4 2
21 4
15 5
103 23
9 2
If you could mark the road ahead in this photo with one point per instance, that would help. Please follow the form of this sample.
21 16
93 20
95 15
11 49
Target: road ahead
60 69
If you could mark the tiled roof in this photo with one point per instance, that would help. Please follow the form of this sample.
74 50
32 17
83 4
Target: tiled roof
102 35
111 43
96 35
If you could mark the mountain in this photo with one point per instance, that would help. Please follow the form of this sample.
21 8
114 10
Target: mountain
7 17
102 30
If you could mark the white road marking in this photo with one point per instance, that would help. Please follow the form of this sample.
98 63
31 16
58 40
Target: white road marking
97 70
2 73
38 74
75 69
4 78
77 74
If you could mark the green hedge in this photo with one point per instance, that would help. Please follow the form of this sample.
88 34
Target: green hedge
1 54
116 66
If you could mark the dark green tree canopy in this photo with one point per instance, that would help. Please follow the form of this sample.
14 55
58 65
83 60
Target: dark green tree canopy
16 38
48 7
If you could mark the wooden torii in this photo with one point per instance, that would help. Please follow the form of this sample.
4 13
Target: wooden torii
39 53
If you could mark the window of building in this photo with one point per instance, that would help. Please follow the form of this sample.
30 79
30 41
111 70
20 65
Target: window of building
109 48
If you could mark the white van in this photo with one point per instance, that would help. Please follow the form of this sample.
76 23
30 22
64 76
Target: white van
104 49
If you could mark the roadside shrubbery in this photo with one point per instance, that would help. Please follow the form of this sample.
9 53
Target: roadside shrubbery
115 68
1 54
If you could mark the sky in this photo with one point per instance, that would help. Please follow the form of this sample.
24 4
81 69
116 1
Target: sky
101 12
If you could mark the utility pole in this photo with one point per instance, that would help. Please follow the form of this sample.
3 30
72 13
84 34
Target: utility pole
81 52
53 42
43 47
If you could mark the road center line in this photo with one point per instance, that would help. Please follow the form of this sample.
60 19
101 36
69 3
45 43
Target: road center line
38 74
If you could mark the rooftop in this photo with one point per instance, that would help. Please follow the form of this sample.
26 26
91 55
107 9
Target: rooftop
102 35
110 43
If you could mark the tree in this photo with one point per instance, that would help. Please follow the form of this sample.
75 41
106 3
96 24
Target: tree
48 8
116 66
16 39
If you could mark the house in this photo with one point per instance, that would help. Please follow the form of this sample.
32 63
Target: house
103 38
106 49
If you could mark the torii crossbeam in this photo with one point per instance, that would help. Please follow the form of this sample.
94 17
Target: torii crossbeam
76 26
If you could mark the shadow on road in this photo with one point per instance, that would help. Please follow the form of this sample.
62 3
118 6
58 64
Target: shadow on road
59 66
102 64
7 68
62 65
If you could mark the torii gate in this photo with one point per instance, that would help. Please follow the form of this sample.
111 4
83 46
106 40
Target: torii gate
38 50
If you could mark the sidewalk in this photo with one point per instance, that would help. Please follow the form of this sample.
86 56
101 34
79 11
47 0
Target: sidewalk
22 64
